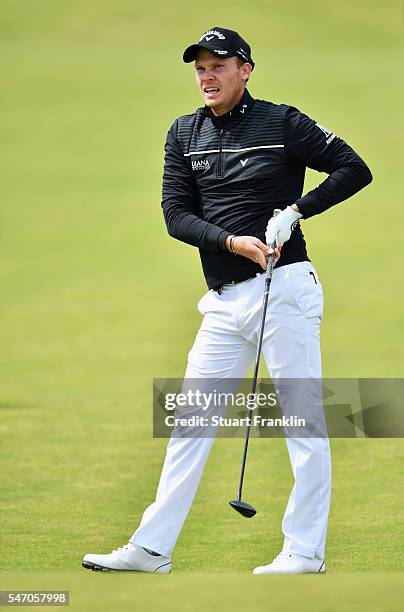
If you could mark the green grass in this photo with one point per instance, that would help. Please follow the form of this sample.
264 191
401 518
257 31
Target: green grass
206 590
97 299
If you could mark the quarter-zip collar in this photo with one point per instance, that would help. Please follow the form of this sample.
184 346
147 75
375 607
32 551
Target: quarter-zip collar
236 114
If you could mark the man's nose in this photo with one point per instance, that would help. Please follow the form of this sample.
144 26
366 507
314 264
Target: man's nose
208 76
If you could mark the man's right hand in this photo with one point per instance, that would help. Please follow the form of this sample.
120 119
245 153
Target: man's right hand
252 248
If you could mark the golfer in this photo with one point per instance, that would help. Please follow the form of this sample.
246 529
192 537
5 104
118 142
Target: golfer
227 167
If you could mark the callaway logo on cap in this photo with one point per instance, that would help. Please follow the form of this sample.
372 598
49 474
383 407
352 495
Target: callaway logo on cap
222 43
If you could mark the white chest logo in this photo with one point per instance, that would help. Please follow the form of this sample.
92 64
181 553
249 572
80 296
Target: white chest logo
243 162
202 164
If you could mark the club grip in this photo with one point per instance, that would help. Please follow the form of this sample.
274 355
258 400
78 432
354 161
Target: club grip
271 258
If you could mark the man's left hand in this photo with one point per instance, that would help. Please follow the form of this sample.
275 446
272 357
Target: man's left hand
279 228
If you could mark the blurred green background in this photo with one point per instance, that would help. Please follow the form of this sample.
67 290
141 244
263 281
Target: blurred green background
96 299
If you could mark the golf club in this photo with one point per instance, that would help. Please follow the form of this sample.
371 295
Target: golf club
240 506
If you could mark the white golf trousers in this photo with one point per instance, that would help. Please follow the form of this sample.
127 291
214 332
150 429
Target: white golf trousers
225 348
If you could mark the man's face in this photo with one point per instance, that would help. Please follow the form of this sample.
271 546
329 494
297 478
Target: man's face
220 81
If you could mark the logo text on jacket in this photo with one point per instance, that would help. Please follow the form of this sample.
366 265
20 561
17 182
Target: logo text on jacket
202 164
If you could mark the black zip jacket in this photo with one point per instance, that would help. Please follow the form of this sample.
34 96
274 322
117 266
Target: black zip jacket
226 175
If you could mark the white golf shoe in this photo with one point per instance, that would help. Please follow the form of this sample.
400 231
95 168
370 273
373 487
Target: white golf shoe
290 563
129 558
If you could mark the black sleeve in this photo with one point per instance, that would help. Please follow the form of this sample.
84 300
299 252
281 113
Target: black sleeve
310 144
180 201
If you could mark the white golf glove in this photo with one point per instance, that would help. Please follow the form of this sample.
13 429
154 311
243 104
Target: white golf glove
279 228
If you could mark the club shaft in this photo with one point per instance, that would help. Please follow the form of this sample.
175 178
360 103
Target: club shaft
256 368
268 278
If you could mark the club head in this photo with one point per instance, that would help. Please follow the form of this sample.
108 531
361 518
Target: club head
243 508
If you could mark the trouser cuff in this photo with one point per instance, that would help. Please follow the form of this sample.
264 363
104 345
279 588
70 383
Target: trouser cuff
305 551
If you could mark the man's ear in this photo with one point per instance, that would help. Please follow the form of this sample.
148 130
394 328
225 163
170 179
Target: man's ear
247 68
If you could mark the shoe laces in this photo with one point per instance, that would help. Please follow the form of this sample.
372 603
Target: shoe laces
281 557
122 548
